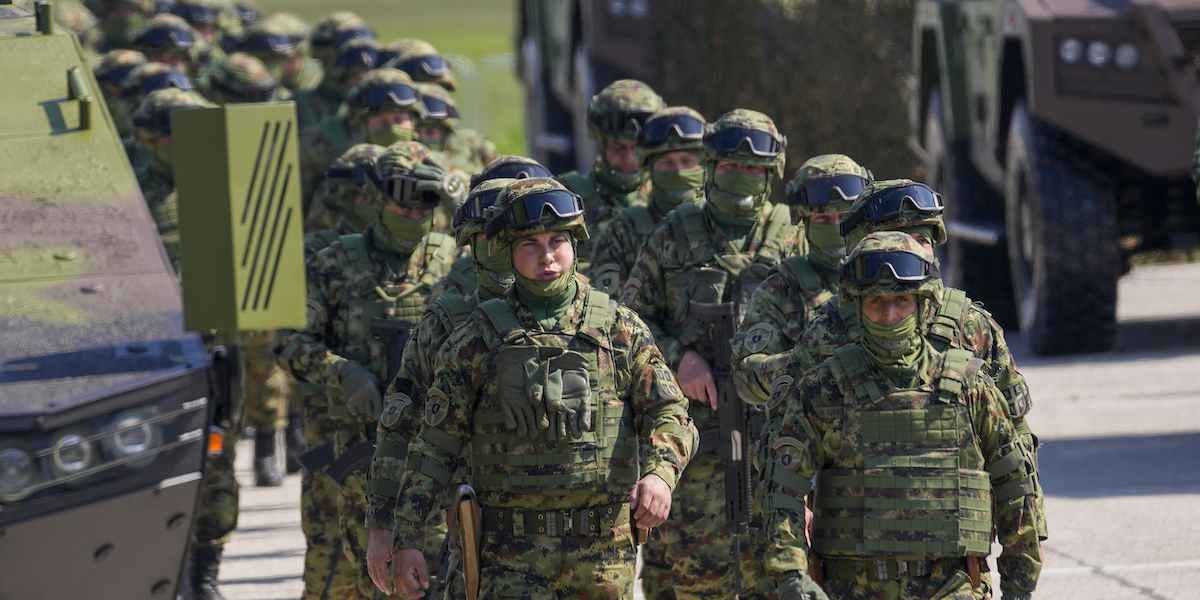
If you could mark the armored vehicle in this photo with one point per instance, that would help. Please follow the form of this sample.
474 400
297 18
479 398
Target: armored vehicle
1060 134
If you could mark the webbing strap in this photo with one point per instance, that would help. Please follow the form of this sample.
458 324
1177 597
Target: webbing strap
563 459
1005 464
427 467
777 501
439 252
771 246
1014 489
789 479
802 272
391 449
946 323
596 310
455 308
643 221
444 441
690 228
579 183
355 247
502 320
953 381
388 488
849 315
855 371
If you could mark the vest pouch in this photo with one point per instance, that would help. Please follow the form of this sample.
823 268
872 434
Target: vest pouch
748 281
568 394
706 286
521 397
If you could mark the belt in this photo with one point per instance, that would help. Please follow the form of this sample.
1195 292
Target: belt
887 568
594 521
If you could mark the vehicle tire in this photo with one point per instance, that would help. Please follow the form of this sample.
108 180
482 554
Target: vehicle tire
981 271
1062 241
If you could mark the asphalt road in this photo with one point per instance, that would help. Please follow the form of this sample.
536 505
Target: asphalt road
1120 462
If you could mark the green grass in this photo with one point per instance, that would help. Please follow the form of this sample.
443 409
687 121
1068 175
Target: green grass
473 29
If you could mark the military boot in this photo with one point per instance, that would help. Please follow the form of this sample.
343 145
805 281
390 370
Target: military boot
295 444
200 576
266 469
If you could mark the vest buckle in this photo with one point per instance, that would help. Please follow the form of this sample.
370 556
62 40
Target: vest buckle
881 569
567 522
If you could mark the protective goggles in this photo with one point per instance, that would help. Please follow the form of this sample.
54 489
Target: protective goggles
201 15
160 121
515 170
166 37
363 58
158 81
345 36
263 92
891 202
432 65
619 122
528 210
118 74
656 131
820 190
903 266
473 209
402 190
272 42
246 13
375 97
734 139
438 109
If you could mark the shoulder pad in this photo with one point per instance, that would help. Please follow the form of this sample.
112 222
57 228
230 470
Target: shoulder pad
643 221
498 318
453 309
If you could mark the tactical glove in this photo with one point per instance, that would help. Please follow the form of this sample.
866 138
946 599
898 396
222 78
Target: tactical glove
360 388
801 587
568 397
435 178
521 396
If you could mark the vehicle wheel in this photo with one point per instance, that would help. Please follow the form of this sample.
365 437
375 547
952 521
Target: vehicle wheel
981 271
1062 241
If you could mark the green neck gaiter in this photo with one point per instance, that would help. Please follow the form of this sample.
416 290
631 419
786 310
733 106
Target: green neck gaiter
671 188
402 233
437 145
923 230
735 226
493 272
896 349
548 301
738 194
607 176
826 245
391 134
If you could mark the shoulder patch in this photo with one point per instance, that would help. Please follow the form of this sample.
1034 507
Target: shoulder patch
632 286
788 451
395 405
313 310
666 383
758 337
781 388
606 278
437 406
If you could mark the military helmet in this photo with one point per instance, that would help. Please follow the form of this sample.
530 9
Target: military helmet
619 110
147 78
829 183
440 108
168 33
153 118
81 21
531 206
266 40
747 137
331 32
198 12
247 11
240 78
352 59
116 65
345 178
294 27
422 62
668 130
384 90
393 178
472 215
895 204
890 262
510 166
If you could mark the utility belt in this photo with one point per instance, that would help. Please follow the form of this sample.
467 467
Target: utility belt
594 521
886 569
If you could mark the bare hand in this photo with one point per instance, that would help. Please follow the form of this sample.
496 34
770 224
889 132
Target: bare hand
650 502
696 379
379 554
409 573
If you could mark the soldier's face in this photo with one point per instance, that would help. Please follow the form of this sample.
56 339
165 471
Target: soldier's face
543 256
387 119
676 161
429 133
724 166
888 309
826 218
620 155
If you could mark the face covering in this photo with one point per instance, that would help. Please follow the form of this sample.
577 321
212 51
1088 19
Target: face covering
740 184
739 194
436 144
493 272
677 186
626 182
403 232
391 134
825 243
896 345
545 288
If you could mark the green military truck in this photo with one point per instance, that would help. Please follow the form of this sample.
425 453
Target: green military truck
106 402
1060 134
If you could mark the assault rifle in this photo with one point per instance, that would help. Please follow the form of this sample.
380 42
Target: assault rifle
395 337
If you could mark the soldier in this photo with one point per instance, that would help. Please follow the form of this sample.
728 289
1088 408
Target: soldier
169 40
714 253
119 20
561 375
956 322
669 147
466 149
296 71
140 82
491 277
239 78
79 20
112 69
615 183
324 99
783 305
510 167
339 205
382 109
422 62
212 19
364 294
915 459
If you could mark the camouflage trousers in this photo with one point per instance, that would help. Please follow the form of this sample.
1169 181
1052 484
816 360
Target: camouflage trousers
691 555
552 568
217 514
352 509
266 384
942 583
326 575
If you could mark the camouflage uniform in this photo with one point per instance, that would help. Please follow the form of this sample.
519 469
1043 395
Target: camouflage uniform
167 34
876 418
785 303
955 322
422 62
339 205
606 191
237 78
381 273
617 244
323 100
692 556
310 71
466 149
604 360
142 80
119 20
112 69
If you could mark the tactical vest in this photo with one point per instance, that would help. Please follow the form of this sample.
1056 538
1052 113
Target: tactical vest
910 478
462 273
319 241
605 459
807 291
453 309
606 277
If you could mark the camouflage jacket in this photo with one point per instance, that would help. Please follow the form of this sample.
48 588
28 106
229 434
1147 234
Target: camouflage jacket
815 438
345 290
319 147
601 203
469 151
780 310
616 246
314 105
460 280
159 192
465 382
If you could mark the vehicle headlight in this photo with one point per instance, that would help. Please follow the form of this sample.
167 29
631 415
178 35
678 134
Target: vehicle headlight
18 472
1126 56
1098 53
133 434
72 453
1070 50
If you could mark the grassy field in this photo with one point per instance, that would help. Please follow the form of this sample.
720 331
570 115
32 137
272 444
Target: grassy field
489 101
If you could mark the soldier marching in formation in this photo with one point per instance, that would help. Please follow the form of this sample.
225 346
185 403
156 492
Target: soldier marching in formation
479 415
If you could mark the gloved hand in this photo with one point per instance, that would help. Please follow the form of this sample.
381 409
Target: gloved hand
437 179
519 399
568 397
801 587
360 388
